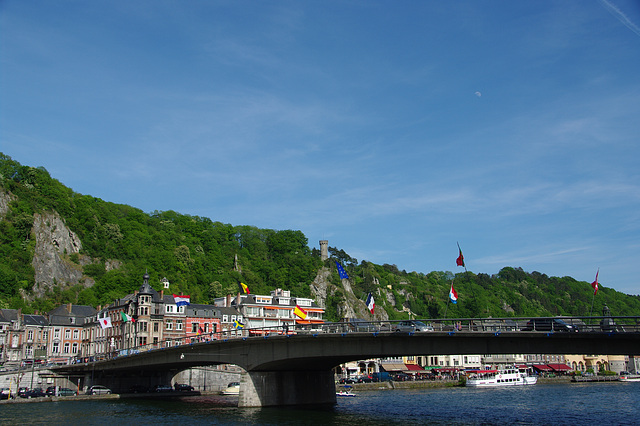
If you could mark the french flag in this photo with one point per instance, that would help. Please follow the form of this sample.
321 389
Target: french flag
181 300
371 304
453 294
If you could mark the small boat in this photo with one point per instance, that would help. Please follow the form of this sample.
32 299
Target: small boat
510 376
628 377
346 391
232 389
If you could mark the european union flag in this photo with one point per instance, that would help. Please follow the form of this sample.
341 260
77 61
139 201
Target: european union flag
341 271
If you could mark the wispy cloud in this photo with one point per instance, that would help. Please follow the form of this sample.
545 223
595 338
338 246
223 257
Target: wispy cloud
620 16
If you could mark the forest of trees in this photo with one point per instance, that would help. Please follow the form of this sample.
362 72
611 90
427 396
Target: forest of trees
197 256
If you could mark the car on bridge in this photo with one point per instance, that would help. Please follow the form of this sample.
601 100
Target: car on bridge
412 326
550 324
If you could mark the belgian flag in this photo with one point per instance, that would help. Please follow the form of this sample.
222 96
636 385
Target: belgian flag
243 288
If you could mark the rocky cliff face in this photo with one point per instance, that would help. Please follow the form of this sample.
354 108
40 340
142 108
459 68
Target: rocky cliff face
350 306
55 242
5 199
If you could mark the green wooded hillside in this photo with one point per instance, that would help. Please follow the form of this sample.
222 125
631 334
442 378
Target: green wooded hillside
197 256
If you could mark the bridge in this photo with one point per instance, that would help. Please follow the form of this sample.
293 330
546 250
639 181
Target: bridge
296 367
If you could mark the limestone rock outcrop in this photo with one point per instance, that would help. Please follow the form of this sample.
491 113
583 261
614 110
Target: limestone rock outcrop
55 242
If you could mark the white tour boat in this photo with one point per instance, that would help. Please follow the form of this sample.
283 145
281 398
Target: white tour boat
510 376
628 377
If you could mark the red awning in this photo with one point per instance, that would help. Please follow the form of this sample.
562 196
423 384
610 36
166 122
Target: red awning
414 367
560 367
542 367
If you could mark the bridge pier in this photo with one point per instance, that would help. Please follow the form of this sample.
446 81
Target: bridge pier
276 388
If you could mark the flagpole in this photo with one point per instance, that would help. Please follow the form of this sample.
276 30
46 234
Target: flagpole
595 290
448 300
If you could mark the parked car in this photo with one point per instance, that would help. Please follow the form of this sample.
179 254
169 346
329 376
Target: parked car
33 393
162 388
549 324
183 387
5 393
66 392
347 381
412 326
22 391
98 390
138 389
364 379
51 391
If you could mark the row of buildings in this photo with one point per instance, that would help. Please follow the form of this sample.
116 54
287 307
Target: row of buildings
149 319
143 320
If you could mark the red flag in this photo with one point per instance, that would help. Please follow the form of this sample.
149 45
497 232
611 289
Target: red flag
460 259
595 283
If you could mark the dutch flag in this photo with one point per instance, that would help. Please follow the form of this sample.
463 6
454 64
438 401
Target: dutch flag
453 294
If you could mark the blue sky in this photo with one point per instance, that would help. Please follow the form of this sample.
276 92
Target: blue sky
394 129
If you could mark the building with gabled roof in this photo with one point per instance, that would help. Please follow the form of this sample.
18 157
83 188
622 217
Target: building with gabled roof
66 326
273 313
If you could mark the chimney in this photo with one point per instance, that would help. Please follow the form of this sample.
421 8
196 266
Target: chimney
161 294
228 301
69 307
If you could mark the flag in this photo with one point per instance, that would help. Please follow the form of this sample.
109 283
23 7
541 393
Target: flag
341 271
181 300
126 317
595 283
105 322
200 331
238 325
460 259
301 313
371 304
243 288
453 294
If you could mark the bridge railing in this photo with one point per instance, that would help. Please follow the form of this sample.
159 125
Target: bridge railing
606 324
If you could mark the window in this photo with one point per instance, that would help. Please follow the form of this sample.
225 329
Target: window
143 326
169 325
66 348
75 334
178 325
45 335
56 333
169 309
225 318
194 327
56 347
30 337
67 334
155 327
74 348
206 327
214 328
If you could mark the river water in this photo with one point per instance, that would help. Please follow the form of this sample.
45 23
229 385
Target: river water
543 404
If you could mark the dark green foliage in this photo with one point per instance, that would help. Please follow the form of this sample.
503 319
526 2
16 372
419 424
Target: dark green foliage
197 256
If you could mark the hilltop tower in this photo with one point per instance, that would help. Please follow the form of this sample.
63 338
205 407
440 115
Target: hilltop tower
324 249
